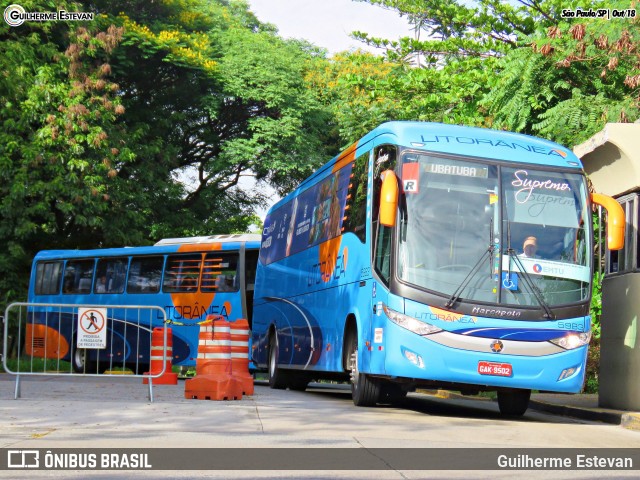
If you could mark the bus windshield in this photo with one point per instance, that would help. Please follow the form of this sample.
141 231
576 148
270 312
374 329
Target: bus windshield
513 236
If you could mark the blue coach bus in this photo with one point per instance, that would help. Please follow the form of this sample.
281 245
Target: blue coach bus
189 278
431 255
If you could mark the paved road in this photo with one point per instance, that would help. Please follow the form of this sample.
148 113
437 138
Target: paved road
90 412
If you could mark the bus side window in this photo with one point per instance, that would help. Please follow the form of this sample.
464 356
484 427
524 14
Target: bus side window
48 276
78 276
384 159
355 213
220 273
110 275
145 274
182 273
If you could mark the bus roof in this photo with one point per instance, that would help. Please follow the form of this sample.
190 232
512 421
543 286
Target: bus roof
167 245
476 142
242 237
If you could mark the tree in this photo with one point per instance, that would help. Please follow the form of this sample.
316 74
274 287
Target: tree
569 79
441 78
57 104
143 123
226 100
515 65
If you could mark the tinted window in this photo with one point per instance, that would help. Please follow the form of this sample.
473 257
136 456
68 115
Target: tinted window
355 213
385 159
78 276
144 275
48 275
111 274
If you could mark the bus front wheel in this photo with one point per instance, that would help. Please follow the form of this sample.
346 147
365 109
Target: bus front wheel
513 401
365 391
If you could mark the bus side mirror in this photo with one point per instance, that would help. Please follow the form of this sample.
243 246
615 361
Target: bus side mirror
388 198
615 220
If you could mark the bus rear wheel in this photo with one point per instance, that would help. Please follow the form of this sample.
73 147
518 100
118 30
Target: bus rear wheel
514 401
276 376
79 360
365 391
81 364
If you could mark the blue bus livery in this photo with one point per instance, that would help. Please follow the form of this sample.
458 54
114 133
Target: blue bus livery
431 255
189 278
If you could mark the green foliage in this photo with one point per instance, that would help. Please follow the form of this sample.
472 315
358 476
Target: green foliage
593 367
513 65
567 80
145 124
158 118
596 306
57 143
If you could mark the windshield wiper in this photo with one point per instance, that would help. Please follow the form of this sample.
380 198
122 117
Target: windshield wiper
455 296
548 313
526 276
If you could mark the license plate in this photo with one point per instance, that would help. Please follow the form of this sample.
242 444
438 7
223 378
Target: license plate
496 369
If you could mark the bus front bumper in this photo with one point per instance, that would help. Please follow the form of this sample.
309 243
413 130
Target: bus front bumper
453 358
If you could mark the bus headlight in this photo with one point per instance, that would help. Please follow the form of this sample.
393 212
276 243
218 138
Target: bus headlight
412 324
572 340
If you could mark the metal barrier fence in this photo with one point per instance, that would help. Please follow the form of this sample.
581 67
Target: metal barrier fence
82 340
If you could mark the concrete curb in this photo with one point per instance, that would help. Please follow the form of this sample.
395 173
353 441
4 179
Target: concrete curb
576 412
628 420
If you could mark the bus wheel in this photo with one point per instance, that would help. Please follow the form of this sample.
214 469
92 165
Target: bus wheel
80 363
276 376
513 401
79 360
365 391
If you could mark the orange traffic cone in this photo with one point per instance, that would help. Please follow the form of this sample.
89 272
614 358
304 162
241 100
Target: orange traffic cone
214 380
240 354
157 359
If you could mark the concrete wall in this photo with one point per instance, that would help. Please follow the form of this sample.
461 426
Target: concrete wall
611 158
619 378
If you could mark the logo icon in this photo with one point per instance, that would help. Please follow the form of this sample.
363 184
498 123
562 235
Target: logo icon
497 346
537 268
23 459
14 15
510 280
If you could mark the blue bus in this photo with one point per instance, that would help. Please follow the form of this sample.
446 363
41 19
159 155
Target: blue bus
189 278
433 256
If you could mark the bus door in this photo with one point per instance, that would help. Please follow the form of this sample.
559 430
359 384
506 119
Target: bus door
249 280
385 201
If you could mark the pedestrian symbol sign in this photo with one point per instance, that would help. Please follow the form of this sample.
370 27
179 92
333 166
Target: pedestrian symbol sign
92 331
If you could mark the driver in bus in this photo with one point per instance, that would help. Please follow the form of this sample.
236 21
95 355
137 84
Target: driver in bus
530 247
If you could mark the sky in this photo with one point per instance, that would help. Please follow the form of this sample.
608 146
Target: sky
328 23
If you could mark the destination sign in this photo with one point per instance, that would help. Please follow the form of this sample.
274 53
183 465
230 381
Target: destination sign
459 170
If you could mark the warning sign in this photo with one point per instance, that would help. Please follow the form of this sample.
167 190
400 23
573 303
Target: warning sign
92 331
